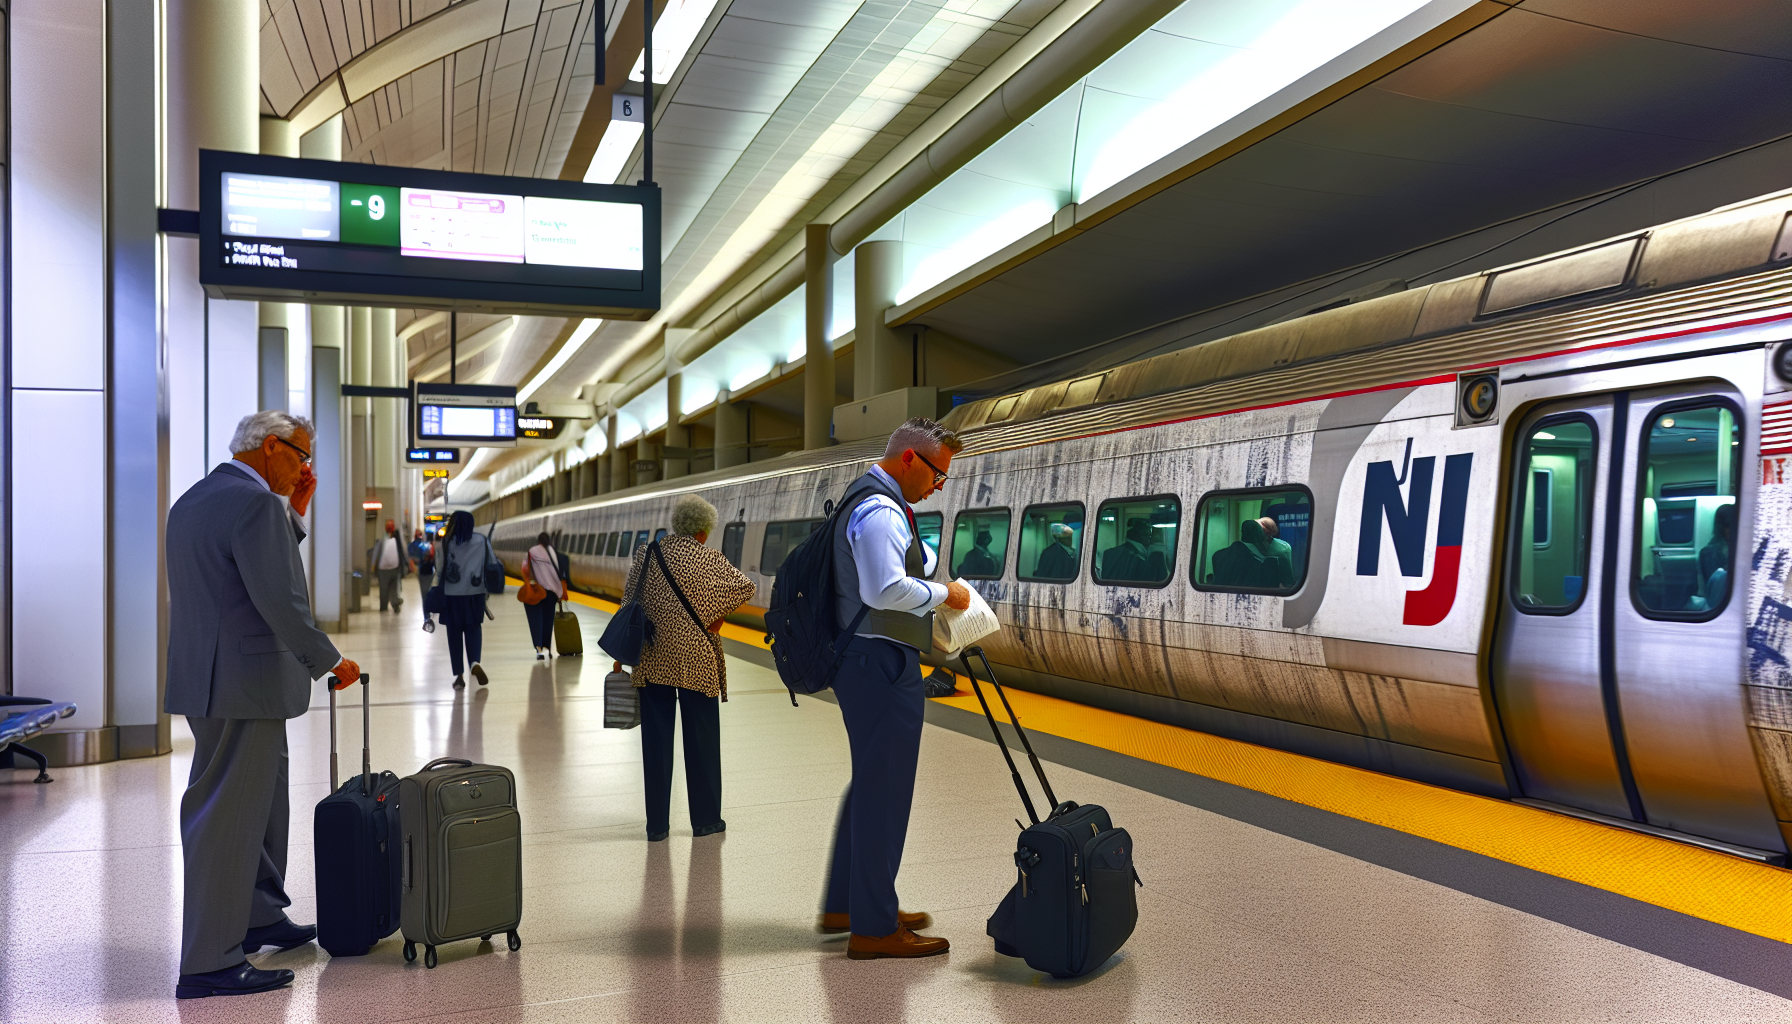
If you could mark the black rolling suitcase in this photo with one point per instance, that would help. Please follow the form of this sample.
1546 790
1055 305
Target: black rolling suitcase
356 849
1072 905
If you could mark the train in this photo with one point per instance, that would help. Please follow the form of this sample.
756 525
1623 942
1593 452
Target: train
1525 533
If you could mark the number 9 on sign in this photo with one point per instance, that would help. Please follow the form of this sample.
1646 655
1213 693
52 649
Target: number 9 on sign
376 207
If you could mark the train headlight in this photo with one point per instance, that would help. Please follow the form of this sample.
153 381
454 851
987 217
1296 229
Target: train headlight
1477 397
1782 362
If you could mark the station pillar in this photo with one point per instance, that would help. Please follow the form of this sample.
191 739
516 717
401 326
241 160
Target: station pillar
818 351
731 432
882 360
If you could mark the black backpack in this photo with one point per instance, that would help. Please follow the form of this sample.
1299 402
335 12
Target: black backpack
806 642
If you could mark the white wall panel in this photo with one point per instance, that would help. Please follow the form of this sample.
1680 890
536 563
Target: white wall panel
183 327
233 349
59 573
58 203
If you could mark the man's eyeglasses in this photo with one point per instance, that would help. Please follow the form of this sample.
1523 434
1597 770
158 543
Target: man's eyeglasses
305 456
939 475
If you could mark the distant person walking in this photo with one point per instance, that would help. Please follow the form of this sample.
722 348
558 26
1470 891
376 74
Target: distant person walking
543 568
682 671
423 560
464 555
389 561
881 565
243 651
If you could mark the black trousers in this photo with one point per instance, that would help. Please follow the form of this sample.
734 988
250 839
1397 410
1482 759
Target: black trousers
880 693
541 620
702 754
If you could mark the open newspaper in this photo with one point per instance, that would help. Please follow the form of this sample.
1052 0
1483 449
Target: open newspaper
953 630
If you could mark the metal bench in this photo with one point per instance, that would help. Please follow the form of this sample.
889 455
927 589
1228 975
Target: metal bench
25 717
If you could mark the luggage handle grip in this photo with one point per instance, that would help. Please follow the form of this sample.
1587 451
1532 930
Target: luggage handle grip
1001 743
366 758
443 762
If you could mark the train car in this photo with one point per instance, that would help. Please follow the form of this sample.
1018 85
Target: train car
1527 533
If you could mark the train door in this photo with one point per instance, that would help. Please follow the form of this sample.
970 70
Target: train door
1619 649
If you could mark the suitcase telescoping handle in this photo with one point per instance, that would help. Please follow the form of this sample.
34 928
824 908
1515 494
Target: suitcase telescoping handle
1019 786
366 732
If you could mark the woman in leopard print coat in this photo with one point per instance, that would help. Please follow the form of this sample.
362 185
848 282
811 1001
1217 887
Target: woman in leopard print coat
683 671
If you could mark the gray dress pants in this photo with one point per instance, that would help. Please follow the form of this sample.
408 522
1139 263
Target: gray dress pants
234 819
389 589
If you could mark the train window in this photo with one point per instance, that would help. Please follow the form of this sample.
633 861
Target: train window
1253 541
1135 541
929 525
1051 543
659 534
608 546
640 538
1554 515
781 539
1689 479
980 543
734 538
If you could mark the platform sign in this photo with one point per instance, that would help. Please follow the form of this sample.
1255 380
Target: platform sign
431 456
430 474
364 234
465 414
539 427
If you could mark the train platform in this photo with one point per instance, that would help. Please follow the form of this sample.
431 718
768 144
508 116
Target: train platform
1276 887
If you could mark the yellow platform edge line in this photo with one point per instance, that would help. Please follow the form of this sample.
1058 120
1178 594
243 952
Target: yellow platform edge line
1737 893
1742 894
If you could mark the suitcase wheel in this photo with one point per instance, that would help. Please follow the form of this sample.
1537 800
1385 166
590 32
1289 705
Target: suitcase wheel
410 952
429 957
485 938
516 941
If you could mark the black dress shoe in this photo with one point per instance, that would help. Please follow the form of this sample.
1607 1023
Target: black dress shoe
241 980
710 830
658 837
282 934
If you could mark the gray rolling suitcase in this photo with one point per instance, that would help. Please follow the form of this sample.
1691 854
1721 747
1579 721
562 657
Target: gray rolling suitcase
462 872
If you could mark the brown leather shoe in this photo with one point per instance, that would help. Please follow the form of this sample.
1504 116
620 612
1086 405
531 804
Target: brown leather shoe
834 924
901 943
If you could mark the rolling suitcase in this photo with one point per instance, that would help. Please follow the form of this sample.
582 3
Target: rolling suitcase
567 638
1072 905
462 865
355 847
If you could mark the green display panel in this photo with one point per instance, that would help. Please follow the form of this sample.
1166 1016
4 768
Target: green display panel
369 215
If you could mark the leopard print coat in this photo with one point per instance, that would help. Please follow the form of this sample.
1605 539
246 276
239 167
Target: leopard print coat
684 653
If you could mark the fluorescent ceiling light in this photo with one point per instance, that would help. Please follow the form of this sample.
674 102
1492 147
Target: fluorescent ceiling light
987 238
567 351
613 151
673 35
750 374
698 393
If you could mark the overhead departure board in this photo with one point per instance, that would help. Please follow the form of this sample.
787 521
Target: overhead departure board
362 234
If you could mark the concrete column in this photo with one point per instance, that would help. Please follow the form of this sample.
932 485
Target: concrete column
818 353
359 358
387 412
882 360
211 63
677 435
329 506
137 498
731 432
610 476
647 461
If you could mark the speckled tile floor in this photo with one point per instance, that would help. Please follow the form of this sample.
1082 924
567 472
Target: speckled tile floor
1236 923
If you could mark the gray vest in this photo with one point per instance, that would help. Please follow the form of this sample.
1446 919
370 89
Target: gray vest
902 627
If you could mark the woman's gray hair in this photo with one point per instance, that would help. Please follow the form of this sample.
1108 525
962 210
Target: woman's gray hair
255 428
692 515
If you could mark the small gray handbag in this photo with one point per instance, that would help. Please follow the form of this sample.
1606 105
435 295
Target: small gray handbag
622 702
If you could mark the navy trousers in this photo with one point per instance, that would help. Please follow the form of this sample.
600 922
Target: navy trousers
880 695
465 619
660 706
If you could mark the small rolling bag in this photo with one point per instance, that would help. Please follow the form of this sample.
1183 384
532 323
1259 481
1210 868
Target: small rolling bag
1072 905
462 867
567 638
356 851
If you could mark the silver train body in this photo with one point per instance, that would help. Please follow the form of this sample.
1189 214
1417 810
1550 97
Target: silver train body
1503 499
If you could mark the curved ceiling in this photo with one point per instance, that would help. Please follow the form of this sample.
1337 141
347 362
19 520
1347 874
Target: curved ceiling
1546 103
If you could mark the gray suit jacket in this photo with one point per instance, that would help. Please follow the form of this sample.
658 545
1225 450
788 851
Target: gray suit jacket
241 640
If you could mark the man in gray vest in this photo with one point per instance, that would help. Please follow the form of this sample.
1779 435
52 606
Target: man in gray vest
881 565
242 653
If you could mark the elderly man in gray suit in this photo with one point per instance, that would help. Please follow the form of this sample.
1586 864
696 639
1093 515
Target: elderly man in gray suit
243 651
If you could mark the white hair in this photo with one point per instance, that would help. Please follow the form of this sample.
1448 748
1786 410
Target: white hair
692 515
925 436
255 428
1061 530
